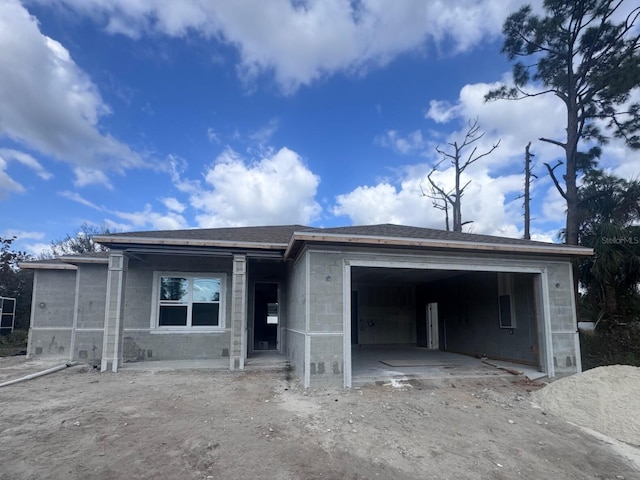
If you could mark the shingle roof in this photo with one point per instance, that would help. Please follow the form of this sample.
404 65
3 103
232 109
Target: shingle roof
278 237
262 234
402 231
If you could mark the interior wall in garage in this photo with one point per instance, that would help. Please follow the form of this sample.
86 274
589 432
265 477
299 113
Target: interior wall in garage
469 316
386 314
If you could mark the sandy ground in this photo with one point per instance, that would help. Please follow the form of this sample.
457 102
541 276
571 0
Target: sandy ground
80 424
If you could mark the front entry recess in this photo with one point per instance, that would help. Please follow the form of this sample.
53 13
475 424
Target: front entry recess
266 317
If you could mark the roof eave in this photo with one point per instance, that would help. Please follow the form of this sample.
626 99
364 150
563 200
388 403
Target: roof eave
80 259
46 266
551 249
186 242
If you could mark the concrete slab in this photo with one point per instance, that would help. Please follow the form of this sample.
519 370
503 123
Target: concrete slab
370 365
176 365
264 360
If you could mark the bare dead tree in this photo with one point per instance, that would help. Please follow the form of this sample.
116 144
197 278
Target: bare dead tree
458 158
439 202
528 178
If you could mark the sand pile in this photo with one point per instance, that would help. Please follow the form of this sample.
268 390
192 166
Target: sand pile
605 399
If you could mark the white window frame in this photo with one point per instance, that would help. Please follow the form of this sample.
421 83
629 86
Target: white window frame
155 306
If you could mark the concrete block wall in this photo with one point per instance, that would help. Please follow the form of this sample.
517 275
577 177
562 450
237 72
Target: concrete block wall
326 319
326 366
295 350
139 289
88 346
326 272
49 343
143 343
564 325
296 319
52 313
386 314
145 346
469 313
238 312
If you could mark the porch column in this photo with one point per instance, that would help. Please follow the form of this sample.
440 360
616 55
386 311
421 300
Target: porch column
237 349
114 312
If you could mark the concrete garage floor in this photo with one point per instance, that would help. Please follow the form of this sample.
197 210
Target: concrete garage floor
407 362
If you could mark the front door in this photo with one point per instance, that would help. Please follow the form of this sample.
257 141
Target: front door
266 316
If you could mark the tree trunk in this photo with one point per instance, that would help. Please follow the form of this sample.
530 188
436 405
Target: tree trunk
527 194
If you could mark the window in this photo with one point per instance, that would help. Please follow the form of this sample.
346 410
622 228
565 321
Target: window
505 301
189 301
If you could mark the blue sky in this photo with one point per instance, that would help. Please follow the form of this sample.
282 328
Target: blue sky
163 115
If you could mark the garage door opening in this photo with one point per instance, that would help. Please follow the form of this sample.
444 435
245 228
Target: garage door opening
406 320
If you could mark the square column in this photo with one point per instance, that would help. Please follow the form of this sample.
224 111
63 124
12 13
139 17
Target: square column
238 347
114 312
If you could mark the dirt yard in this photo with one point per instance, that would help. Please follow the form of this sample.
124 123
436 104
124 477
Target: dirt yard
80 424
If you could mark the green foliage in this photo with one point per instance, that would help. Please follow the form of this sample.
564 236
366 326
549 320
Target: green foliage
609 210
14 343
15 282
611 345
81 242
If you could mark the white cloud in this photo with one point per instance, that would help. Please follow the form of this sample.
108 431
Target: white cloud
300 42
22 234
26 160
89 176
277 189
37 249
48 104
441 111
406 145
485 202
176 167
212 135
263 134
8 184
173 204
149 219
76 197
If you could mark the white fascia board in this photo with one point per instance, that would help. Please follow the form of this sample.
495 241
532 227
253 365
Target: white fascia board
187 242
551 249
47 266
72 259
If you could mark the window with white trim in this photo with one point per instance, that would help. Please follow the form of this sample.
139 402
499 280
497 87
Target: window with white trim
189 301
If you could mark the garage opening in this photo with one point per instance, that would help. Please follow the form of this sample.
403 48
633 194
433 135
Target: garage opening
413 321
